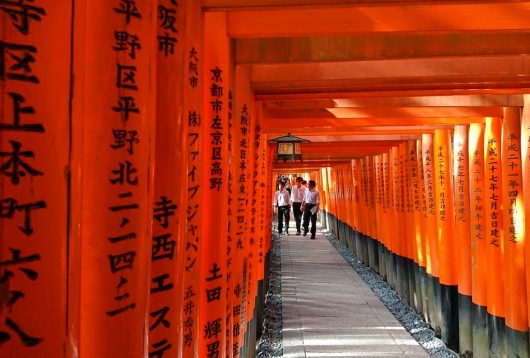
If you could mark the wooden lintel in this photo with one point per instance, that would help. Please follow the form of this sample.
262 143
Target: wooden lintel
486 100
381 46
395 17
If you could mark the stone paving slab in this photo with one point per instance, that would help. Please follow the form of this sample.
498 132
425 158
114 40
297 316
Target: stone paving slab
328 310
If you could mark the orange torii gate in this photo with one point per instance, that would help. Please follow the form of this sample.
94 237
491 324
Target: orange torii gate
136 173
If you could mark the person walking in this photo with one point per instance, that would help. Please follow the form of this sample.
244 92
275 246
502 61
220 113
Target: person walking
287 182
310 208
297 196
282 202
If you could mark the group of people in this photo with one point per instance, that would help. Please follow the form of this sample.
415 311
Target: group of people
304 199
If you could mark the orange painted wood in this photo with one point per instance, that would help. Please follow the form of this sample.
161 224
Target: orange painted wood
379 196
383 112
477 214
406 245
324 195
421 214
243 159
34 194
190 255
445 207
432 258
397 241
462 200
525 166
390 18
392 75
262 246
316 125
350 203
168 221
513 222
374 46
365 216
117 112
414 205
356 194
494 217
372 228
387 199
216 67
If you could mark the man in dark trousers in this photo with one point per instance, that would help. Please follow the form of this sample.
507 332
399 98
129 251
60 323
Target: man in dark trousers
282 201
297 196
310 208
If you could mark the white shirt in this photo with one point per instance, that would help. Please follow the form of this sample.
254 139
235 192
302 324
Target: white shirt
282 198
298 193
312 196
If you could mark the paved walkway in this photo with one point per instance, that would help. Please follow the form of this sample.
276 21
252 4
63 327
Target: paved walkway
328 310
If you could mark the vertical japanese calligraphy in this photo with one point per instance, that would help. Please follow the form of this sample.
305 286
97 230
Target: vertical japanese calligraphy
445 207
34 145
525 166
194 123
117 166
477 214
242 175
432 264
169 198
212 321
493 215
462 198
513 217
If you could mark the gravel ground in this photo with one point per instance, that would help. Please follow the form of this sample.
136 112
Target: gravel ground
270 343
412 322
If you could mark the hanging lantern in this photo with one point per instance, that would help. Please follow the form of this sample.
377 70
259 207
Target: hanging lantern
289 148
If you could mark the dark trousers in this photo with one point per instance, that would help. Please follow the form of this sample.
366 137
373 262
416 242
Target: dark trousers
297 214
283 214
307 215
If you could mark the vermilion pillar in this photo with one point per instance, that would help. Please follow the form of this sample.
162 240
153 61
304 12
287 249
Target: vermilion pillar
463 235
415 224
525 158
477 214
432 258
212 322
421 221
194 122
514 230
446 242
243 154
387 209
169 197
114 107
34 152
494 234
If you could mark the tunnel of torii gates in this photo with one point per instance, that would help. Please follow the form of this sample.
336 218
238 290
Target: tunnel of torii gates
136 172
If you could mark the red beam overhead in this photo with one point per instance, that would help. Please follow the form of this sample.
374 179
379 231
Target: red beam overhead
364 137
346 133
306 165
325 94
317 124
339 146
260 4
400 101
426 73
398 17
380 46
388 112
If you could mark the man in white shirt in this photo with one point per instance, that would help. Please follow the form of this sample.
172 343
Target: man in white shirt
297 196
282 201
310 208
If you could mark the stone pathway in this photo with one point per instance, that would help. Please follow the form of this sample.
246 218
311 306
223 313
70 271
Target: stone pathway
328 310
